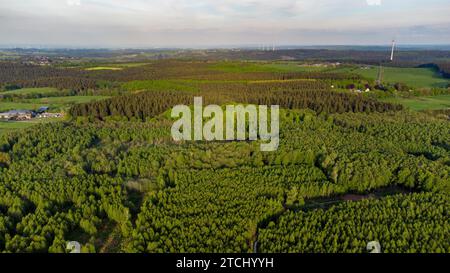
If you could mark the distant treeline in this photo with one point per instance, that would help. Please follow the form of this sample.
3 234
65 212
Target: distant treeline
17 75
444 68
348 53
405 58
150 104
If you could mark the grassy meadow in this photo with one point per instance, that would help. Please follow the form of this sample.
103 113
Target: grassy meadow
53 102
413 77
103 68
423 103
8 126
30 91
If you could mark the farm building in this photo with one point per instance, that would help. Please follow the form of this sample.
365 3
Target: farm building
42 109
17 115
49 115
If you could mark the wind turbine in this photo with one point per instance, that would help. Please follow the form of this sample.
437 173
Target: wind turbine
392 51
380 69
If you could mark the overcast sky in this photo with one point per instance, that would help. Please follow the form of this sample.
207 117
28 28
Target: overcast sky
148 23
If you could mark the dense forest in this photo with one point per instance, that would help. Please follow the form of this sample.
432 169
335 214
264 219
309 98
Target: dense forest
289 96
15 75
400 221
350 167
130 181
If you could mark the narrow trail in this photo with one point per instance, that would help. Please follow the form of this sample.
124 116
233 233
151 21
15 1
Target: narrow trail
110 238
325 203
110 244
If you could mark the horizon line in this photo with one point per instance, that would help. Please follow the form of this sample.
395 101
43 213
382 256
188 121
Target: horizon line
225 46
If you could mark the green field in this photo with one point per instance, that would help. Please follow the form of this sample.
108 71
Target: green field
423 103
6 106
55 104
12 125
28 91
103 68
241 67
67 100
413 77
247 67
160 85
295 67
7 55
114 66
52 102
7 126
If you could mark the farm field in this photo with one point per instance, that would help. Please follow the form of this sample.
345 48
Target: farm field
246 67
52 102
413 77
66 101
158 85
423 103
9 126
296 67
6 106
28 91
114 68
55 104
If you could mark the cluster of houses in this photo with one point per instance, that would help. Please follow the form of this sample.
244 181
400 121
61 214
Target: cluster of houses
353 88
361 91
38 60
17 115
21 115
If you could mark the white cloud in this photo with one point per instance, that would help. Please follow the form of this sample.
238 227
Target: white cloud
374 2
220 21
74 2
